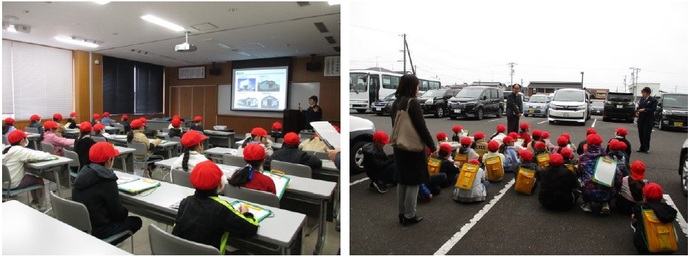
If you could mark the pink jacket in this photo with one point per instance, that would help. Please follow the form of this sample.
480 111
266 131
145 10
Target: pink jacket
57 142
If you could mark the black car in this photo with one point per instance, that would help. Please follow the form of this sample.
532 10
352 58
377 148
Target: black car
619 105
672 111
476 101
382 107
436 101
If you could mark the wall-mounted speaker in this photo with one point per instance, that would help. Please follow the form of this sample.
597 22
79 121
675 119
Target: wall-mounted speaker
314 66
214 71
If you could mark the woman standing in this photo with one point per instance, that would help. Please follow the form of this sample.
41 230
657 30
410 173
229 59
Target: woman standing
411 167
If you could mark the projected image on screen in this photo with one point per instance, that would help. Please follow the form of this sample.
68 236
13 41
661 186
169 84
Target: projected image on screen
260 89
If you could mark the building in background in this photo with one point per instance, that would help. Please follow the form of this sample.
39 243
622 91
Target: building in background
547 87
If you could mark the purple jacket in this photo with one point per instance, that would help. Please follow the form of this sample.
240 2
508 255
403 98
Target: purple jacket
57 142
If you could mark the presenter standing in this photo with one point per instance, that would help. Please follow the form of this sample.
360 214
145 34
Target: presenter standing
313 113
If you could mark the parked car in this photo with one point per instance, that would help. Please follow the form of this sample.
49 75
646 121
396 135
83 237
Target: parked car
382 107
436 101
597 108
476 101
619 105
361 132
672 111
683 167
538 104
569 105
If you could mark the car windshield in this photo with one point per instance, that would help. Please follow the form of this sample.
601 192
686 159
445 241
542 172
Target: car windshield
564 95
358 82
537 99
433 93
620 97
469 93
675 101
598 104
390 97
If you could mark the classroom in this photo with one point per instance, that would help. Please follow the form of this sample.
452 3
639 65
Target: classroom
228 76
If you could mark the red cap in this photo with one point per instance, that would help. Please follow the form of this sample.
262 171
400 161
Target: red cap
176 123
176 117
277 126
545 135
508 139
474 161
206 175
57 116
493 145
441 136
50 124
457 128
514 135
567 135
337 128
15 136
9 120
96 117
192 138
539 145
653 191
594 139
254 152
556 159
466 141
142 120
591 131
125 117
98 127
524 126
197 119
258 131
536 133
562 141
136 124
478 136
500 128
382 137
622 145
525 155
85 126
292 138
613 144
35 117
73 114
445 147
102 151
106 114
622 131
637 170
567 153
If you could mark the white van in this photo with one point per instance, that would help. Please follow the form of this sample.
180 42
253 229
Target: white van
570 105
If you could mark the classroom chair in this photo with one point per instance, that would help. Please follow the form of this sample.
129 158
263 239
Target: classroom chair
7 192
48 148
120 127
4 140
76 215
293 169
164 243
180 177
140 150
31 129
252 195
75 163
320 155
231 160
98 139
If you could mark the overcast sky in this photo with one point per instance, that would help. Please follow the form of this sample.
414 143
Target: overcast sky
466 41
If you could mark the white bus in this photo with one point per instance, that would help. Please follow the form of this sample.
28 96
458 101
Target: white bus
373 84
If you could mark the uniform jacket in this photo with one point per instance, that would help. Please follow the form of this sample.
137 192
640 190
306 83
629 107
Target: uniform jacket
15 158
513 105
649 106
292 154
96 188
411 167
310 115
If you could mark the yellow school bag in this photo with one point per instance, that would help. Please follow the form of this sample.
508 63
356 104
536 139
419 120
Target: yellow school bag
481 148
434 165
659 236
543 160
460 158
494 168
466 176
525 180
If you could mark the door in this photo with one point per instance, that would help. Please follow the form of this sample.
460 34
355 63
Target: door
374 86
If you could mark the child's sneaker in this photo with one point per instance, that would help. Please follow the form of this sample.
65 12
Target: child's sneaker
586 207
605 209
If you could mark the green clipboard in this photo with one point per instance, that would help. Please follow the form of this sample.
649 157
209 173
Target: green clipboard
259 212
605 171
280 180
137 185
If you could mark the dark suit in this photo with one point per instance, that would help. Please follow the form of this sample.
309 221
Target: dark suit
513 108
645 121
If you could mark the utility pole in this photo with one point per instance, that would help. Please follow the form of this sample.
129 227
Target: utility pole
676 90
624 84
512 71
636 78
404 53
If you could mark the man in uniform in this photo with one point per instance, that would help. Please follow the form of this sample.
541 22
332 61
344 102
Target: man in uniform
645 119
313 113
514 109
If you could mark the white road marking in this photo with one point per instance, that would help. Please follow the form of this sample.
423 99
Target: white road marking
494 120
358 181
543 121
679 217
445 248
595 122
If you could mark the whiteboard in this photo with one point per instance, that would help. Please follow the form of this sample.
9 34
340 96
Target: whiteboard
300 93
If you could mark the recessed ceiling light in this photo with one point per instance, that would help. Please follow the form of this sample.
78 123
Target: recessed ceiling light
11 28
163 23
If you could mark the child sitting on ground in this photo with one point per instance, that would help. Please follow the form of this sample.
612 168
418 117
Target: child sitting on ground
493 163
652 200
511 158
471 185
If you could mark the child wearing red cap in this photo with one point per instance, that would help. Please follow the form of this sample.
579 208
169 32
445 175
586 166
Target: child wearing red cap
477 191
99 131
197 124
175 130
379 166
259 136
592 191
71 121
291 153
526 163
96 188
617 152
536 137
511 157
458 133
499 135
448 166
57 117
8 126
205 218
631 188
493 157
620 136
558 186
35 122
276 131
14 157
466 150
479 145
524 135
250 176
652 195
192 142
50 136
83 143
581 148
106 120
540 155
136 135
124 121
96 119
175 117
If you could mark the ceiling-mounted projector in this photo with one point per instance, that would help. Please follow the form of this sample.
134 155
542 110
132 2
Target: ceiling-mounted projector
185 47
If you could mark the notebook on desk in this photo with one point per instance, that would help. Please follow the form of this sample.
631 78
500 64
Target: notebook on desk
136 185
280 180
49 158
259 212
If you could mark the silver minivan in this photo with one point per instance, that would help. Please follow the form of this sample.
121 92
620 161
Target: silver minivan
569 105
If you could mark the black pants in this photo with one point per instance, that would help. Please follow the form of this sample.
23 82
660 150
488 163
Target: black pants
644 129
131 223
384 176
513 124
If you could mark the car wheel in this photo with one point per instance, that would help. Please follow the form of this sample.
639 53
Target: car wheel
551 122
661 123
480 114
606 119
379 114
684 175
361 111
439 111
453 117
498 114
357 157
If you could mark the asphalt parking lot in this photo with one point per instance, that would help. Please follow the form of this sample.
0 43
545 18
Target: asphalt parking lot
507 222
